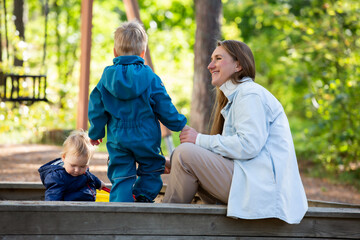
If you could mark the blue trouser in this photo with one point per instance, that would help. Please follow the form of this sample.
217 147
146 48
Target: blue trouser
126 179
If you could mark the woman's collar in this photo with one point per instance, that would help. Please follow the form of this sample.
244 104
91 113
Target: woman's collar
228 88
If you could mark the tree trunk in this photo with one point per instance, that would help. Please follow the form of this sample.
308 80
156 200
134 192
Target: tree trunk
208 14
20 27
1 53
1 47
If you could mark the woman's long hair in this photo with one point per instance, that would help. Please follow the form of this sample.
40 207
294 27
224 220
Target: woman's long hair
241 53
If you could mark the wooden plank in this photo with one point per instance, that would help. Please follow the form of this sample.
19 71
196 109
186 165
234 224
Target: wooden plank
135 237
86 26
36 191
144 219
318 203
22 191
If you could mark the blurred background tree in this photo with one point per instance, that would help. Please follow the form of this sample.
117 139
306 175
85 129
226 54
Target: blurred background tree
307 55
208 32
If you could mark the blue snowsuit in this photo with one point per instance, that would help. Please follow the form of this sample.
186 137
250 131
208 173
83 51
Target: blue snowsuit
61 186
131 99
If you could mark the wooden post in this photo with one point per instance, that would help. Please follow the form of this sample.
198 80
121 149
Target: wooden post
132 12
86 25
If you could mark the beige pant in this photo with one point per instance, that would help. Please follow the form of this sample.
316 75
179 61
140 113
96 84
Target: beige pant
195 169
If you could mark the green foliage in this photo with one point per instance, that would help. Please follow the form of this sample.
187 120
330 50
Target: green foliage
28 123
334 81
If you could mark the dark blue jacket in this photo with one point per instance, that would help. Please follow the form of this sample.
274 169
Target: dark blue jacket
61 186
130 95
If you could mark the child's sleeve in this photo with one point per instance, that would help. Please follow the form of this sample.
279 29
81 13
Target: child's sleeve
96 180
55 188
163 107
97 115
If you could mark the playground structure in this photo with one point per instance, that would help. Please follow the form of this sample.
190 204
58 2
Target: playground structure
13 88
24 88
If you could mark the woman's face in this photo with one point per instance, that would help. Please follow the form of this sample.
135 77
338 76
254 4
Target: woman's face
222 66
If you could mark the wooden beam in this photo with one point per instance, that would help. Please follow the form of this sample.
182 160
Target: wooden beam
132 12
86 25
35 191
89 220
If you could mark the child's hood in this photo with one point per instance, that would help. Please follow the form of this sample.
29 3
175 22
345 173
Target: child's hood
48 167
128 78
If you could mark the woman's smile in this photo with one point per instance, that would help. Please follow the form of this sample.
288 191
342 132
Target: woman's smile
222 66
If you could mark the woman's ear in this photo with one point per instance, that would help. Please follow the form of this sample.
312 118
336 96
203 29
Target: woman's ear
238 67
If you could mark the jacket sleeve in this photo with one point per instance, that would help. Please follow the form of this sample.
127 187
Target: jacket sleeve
55 187
96 180
97 115
163 107
250 130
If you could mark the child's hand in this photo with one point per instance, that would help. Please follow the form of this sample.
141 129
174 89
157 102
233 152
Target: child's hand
185 127
95 142
102 185
188 134
167 166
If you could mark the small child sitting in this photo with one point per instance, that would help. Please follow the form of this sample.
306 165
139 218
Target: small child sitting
68 178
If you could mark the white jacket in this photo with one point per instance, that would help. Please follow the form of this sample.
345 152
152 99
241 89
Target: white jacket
266 182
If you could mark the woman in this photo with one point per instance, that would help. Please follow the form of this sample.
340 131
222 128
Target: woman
248 161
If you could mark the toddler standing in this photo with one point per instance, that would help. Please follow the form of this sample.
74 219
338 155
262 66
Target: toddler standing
131 99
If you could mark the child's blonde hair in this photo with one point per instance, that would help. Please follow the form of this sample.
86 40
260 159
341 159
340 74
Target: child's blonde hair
130 39
78 144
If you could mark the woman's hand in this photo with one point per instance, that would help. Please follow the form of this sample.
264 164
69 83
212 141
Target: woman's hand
188 134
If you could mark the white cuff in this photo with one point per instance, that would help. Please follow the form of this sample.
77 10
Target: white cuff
197 141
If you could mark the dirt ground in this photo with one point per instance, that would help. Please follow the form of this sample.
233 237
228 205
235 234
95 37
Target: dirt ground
19 163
